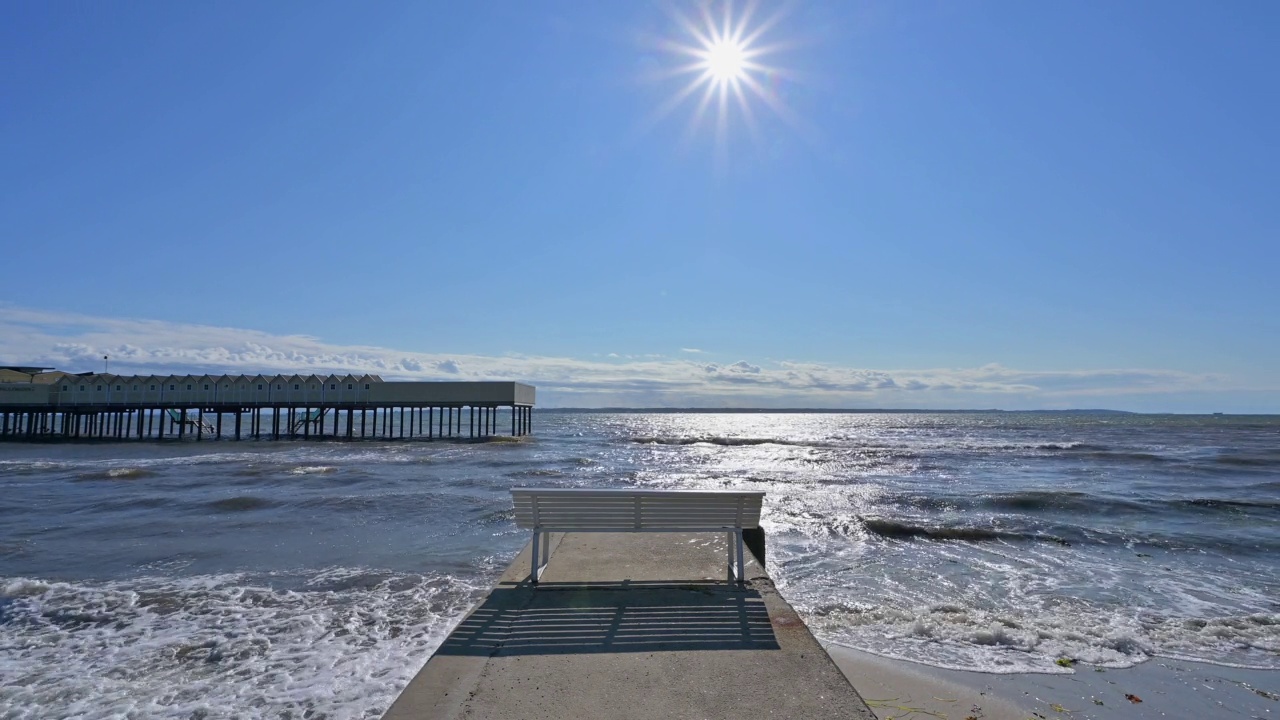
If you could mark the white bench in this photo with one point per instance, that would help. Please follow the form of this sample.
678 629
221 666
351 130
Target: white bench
548 510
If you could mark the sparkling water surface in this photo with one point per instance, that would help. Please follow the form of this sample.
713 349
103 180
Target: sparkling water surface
312 579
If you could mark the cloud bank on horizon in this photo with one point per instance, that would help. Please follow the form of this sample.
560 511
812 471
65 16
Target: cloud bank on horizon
78 342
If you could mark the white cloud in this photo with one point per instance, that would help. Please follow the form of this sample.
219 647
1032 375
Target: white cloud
77 343
695 351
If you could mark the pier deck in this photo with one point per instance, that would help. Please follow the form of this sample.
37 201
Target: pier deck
630 626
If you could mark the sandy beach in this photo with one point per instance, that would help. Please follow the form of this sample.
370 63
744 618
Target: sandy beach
1158 688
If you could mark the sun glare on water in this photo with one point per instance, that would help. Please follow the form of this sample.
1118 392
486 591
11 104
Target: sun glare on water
724 61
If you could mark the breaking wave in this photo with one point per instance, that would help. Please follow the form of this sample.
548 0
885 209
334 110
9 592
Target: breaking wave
340 644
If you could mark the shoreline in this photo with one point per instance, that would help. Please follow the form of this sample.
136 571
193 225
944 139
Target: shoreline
1166 688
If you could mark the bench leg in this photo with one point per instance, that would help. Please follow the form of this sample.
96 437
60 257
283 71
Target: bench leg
535 554
742 560
729 543
541 554
737 557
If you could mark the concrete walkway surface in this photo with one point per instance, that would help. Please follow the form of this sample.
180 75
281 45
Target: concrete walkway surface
631 625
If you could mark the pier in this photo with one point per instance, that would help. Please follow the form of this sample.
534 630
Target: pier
631 625
60 406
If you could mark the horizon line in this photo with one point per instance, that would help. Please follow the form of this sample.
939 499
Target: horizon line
1076 411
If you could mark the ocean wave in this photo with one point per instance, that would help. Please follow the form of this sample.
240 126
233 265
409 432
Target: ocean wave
312 470
1063 446
1075 502
1248 461
240 503
498 517
1228 505
29 467
340 645
536 473
898 530
717 440
126 503
1129 456
1241 544
1062 500
117 473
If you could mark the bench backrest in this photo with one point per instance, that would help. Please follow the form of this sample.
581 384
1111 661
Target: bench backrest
570 509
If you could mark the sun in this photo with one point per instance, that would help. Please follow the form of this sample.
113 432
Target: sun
725 61
727 67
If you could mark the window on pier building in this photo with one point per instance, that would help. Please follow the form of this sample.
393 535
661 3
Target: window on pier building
99 388
206 387
295 387
170 387
349 386
259 387
188 387
153 387
333 387
117 388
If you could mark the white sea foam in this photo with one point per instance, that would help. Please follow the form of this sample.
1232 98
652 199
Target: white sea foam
312 469
1007 608
340 646
969 639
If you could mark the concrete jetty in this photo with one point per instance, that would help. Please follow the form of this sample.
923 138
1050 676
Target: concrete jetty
631 625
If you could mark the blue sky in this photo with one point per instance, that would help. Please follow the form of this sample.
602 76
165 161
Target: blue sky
987 204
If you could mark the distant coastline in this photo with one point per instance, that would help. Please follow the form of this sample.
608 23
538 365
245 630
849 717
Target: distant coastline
848 410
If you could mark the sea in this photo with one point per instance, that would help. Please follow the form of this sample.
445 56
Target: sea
312 579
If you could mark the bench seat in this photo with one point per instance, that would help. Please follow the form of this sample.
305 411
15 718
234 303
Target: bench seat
548 510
